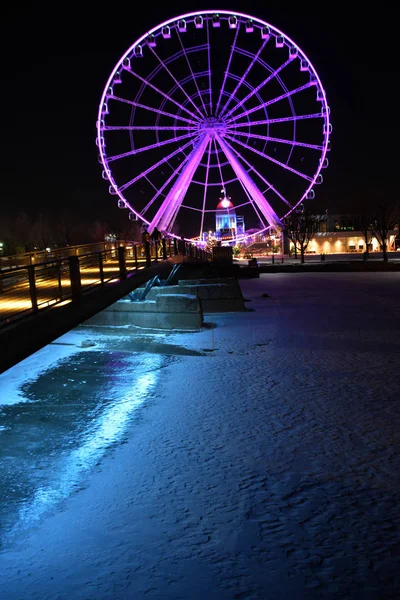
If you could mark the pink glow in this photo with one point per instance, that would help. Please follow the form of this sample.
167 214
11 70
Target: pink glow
156 110
166 214
249 184
274 160
158 164
233 95
156 89
267 183
268 138
156 30
258 88
274 100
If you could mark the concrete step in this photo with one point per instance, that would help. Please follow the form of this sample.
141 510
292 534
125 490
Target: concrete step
215 295
166 311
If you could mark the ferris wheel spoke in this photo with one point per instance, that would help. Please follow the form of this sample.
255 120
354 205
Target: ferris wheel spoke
156 89
194 208
258 87
205 187
270 158
209 65
280 120
191 71
147 128
176 81
152 109
273 101
162 188
219 164
268 138
151 183
151 147
261 217
173 217
243 176
155 166
227 71
243 78
267 183
166 214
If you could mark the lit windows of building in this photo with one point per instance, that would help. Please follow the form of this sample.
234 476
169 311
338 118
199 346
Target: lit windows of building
227 223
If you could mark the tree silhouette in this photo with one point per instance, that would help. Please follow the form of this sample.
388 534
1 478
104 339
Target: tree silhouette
300 227
364 223
43 232
384 219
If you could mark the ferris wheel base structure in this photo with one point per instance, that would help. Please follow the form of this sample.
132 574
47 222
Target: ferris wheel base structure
209 100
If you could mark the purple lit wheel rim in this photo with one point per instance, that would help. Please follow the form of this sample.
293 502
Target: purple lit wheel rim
214 120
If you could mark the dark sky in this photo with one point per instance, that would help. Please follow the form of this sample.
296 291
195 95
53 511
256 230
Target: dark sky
56 58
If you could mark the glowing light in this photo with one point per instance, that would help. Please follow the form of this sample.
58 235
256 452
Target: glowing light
64 302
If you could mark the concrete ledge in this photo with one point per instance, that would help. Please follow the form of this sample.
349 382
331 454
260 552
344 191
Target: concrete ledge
212 271
231 282
215 295
185 303
169 311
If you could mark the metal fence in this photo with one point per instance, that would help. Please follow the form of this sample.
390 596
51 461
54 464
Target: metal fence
28 288
42 256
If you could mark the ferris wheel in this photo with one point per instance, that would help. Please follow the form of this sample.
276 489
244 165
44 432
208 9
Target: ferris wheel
209 101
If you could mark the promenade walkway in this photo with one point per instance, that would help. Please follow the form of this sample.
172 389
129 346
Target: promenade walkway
257 459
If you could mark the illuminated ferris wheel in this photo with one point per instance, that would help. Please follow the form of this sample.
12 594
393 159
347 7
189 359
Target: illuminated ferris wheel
209 101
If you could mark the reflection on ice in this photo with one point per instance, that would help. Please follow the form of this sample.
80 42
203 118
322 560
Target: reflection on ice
106 429
57 441
30 368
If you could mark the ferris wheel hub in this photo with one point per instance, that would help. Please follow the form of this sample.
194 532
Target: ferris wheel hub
212 125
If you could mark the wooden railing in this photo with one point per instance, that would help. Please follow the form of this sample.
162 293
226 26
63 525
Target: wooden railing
68 273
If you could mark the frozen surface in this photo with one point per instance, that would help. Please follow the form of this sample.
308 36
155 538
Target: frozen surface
257 459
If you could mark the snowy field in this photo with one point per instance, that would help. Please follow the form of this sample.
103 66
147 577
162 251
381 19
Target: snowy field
257 459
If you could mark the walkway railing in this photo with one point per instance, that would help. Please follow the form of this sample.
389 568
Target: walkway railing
68 273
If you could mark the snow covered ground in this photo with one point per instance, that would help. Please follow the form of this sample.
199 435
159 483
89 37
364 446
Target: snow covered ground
256 459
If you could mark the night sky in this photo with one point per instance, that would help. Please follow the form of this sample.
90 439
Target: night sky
56 58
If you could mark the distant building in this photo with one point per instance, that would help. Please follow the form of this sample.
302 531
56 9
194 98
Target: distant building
337 242
228 224
340 233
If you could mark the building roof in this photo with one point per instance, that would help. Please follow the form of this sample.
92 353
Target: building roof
224 204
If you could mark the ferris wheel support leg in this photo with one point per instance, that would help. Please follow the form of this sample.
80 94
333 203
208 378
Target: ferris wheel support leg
247 182
166 214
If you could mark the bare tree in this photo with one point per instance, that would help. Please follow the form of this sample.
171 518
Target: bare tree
98 231
132 231
16 233
22 229
364 222
300 228
43 231
64 230
384 220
